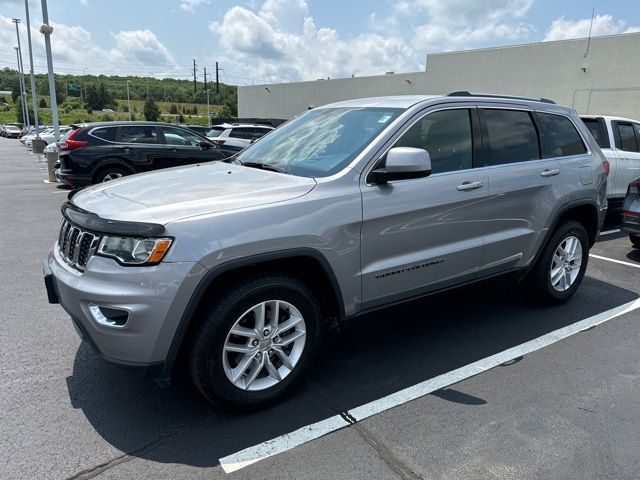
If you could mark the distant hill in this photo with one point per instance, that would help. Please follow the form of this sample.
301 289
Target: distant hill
115 88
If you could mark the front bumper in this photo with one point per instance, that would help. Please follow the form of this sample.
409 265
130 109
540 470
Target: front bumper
155 298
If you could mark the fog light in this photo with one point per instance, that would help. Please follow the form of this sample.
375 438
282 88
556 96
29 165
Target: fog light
109 317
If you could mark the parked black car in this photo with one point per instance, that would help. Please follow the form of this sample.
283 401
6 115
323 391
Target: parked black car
100 152
631 212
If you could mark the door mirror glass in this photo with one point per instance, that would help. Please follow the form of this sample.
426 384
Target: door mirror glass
205 145
404 163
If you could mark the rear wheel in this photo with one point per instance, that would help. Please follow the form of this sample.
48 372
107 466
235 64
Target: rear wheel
635 239
561 266
110 173
255 341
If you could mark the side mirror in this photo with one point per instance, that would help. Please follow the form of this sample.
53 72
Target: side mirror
205 145
404 163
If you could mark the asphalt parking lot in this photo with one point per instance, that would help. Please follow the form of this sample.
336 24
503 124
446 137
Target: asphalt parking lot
568 410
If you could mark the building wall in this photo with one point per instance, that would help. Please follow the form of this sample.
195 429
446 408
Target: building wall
604 81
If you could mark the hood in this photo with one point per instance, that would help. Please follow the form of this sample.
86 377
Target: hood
173 194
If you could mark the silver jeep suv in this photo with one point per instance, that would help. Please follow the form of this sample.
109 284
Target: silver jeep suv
238 267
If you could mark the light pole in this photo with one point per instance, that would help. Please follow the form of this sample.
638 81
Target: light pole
47 30
33 80
208 114
20 84
21 69
128 100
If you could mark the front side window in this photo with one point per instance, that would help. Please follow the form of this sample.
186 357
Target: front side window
512 136
322 141
446 135
138 134
176 136
627 137
561 137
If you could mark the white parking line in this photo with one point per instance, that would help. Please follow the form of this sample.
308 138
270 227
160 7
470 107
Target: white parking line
609 232
628 264
248 456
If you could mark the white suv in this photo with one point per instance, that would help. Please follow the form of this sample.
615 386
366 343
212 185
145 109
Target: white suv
237 136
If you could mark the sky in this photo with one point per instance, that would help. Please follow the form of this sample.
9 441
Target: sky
267 41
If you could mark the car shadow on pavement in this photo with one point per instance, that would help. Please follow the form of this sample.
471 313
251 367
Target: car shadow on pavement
379 354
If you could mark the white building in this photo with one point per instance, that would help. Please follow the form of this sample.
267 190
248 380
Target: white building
600 75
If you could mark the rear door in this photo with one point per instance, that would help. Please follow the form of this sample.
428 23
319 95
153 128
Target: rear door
627 143
140 147
600 132
184 148
522 186
424 234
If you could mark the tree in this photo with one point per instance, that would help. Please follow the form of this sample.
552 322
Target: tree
42 103
173 109
151 110
180 118
20 116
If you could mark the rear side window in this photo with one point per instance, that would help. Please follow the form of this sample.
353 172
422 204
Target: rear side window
241 133
560 136
106 133
215 132
446 135
512 137
594 128
626 137
138 134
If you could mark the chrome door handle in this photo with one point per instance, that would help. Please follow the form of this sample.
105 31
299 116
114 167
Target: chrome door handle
549 173
469 186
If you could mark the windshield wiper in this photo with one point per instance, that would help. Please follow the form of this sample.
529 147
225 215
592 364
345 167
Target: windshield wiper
262 166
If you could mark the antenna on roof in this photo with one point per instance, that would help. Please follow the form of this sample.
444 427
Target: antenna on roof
593 13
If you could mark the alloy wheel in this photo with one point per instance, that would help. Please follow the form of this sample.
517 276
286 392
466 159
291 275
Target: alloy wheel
566 263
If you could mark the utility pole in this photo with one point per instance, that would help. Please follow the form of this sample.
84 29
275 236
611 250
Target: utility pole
128 98
195 67
21 69
205 78
21 91
217 79
208 114
32 77
47 30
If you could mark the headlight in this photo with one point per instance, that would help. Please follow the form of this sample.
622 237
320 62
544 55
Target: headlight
134 251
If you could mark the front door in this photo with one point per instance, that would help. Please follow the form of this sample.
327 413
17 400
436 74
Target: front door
423 234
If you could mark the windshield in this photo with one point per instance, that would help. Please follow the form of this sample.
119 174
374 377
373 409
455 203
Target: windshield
320 142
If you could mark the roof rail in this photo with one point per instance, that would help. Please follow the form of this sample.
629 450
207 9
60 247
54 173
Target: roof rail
464 93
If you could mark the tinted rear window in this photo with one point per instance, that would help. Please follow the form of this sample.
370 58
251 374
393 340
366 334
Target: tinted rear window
512 136
594 128
560 136
105 133
138 134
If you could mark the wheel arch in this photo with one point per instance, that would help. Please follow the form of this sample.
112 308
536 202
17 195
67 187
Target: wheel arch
305 263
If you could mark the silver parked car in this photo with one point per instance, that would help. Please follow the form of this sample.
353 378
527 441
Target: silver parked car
240 266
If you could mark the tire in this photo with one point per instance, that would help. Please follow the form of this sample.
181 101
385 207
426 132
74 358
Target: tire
635 240
212 365
540 281
110 173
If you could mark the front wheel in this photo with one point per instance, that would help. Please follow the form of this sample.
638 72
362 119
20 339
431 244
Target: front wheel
562 264
255 341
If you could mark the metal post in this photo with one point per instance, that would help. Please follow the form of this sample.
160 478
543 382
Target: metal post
23 98
33 80
208 114
47 30
20 85
128 101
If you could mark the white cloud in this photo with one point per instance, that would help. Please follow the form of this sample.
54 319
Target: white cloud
190 5
280 41
561 28
75 51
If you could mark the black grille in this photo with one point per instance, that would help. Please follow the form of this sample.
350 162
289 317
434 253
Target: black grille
76 245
